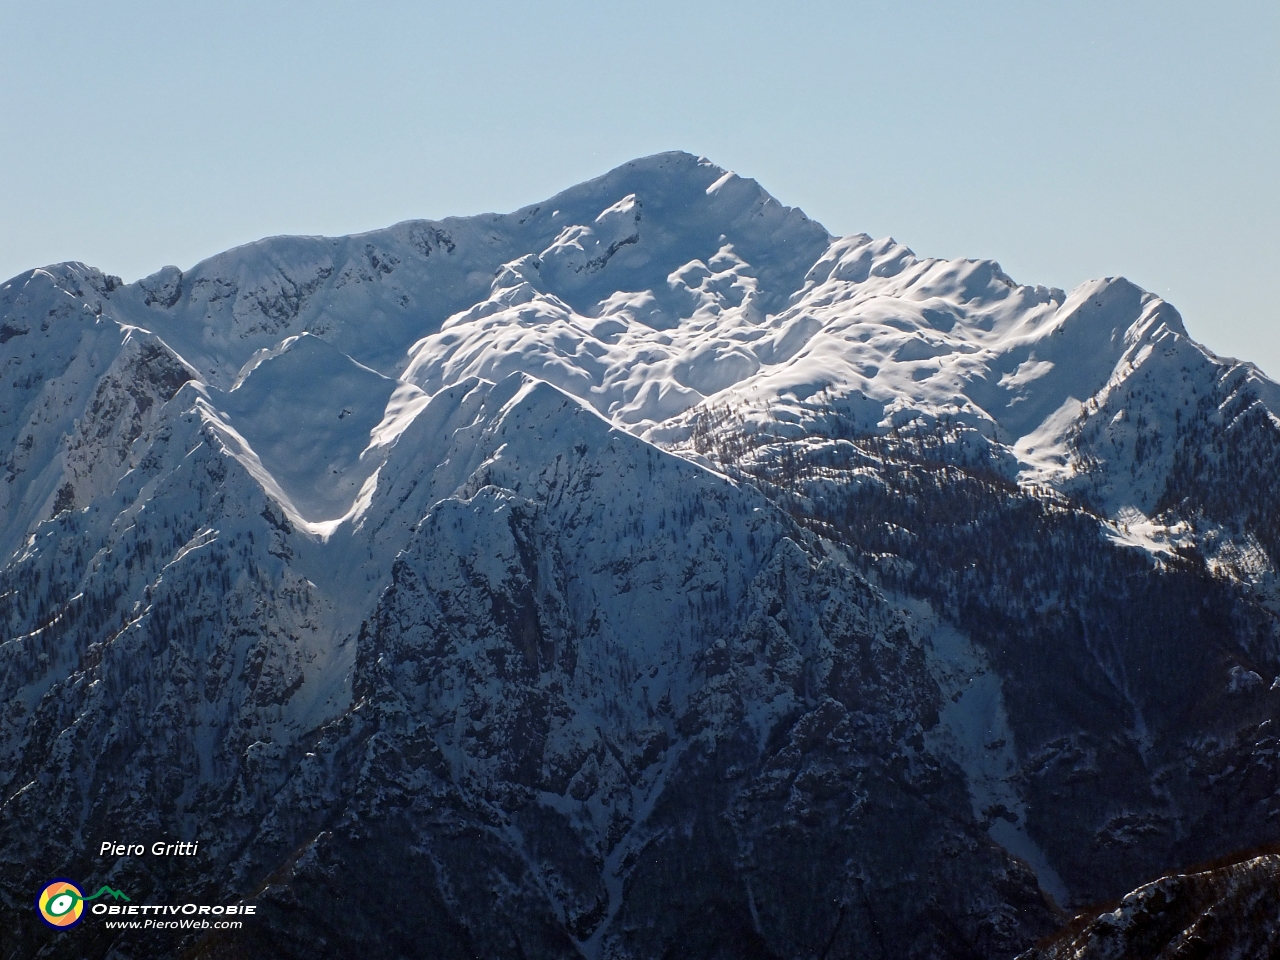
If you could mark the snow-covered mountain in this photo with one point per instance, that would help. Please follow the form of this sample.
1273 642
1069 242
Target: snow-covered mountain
642 573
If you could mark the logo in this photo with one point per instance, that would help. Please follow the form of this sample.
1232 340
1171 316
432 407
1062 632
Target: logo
61 903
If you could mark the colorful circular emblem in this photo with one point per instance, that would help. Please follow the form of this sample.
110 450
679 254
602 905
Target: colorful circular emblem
61 904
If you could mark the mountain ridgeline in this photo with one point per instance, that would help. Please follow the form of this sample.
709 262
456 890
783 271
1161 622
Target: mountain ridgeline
644 573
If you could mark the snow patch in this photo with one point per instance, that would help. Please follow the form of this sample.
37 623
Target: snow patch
973 730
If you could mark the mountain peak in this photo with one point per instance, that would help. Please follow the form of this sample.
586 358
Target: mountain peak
648 535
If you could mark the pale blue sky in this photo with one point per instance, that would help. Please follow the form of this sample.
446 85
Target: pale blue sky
1066 140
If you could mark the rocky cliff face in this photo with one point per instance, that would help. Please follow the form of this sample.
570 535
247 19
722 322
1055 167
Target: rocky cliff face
643 573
